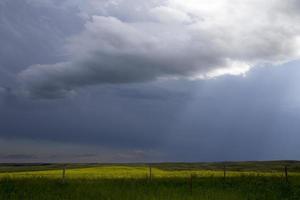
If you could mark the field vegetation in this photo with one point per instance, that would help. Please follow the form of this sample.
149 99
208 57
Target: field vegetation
245 180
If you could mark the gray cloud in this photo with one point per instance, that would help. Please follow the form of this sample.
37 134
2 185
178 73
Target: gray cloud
197 39
32 32
228 118
47 52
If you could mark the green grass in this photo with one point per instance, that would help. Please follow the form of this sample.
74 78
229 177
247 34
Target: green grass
255 180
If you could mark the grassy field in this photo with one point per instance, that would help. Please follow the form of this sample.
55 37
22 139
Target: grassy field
246 180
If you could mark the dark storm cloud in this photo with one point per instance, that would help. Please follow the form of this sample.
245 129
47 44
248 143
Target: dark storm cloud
32 32
229 118
197 39
47 52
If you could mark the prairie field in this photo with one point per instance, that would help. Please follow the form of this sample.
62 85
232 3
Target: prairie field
244 180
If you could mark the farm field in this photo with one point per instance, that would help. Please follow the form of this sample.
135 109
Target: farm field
245 180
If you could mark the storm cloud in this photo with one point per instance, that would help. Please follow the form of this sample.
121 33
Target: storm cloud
168 39
149 81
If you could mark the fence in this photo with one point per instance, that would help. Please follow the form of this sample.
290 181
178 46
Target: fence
151 171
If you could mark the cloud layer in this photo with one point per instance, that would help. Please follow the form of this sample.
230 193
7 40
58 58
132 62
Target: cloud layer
169 39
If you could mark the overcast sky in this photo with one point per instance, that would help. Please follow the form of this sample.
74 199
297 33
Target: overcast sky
155 80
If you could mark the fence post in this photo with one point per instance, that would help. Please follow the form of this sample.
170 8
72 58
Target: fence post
224 169
191 184
150 172
64 173
286 173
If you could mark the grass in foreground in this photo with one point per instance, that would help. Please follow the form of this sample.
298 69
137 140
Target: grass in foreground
233 188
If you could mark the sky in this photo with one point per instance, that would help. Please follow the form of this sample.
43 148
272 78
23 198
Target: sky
149 81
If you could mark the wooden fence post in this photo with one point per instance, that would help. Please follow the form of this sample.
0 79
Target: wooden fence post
64 173
191 184
224 169
150 172
286 173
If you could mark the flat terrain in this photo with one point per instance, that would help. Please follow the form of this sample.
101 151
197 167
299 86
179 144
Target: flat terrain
243 180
